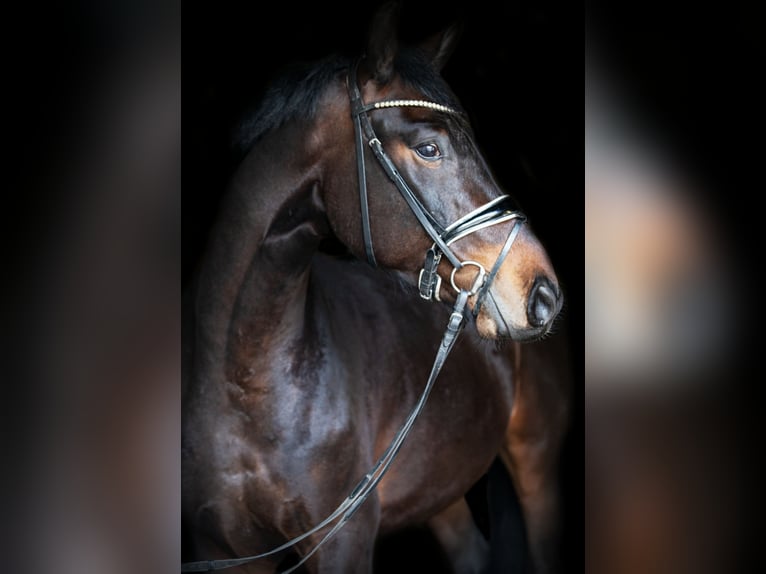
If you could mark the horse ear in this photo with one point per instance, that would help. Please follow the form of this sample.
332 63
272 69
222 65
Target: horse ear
383 43
439 47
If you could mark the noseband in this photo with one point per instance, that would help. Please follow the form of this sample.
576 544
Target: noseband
491 213
495 211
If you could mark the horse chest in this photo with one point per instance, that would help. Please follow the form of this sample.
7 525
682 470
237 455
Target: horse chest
453 443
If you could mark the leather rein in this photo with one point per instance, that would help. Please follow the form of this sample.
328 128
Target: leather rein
429 284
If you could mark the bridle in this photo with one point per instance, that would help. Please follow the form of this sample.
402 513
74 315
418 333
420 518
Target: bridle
496 211
429 284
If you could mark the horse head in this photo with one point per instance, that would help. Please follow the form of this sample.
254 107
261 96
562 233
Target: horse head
419 126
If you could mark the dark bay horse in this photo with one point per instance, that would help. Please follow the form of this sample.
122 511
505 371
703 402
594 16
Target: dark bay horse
301 366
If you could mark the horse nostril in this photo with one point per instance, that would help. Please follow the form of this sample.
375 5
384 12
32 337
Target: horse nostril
542 305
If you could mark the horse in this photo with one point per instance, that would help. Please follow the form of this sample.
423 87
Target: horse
300 365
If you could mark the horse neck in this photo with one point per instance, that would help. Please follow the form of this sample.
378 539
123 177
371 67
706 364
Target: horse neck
253 280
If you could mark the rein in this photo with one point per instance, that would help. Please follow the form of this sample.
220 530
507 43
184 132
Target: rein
429 283
366 486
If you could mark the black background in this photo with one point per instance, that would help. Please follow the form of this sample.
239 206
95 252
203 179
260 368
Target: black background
518 72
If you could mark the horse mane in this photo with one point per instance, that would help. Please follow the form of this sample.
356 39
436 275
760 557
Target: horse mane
294 94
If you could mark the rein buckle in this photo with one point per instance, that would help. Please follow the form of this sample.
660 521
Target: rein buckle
429 282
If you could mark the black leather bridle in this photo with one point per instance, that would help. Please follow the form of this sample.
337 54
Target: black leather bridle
498 210
495 211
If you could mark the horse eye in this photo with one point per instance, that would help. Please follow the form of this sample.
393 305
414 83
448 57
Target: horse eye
428 151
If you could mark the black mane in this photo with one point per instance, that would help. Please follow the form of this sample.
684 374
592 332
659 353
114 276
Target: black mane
294 94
